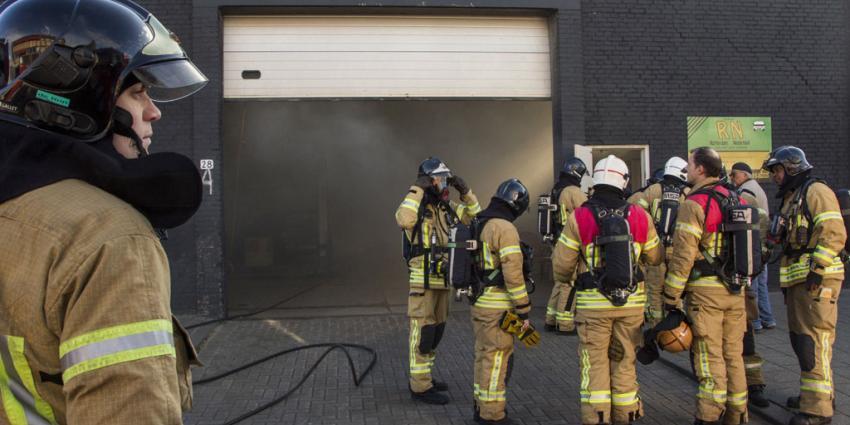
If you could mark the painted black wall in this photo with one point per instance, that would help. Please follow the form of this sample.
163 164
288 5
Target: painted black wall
625 72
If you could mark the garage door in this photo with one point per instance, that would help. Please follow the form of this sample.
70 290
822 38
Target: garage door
386 57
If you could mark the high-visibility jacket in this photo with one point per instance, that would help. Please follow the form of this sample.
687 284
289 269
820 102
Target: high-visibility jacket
86 330
575 249
571 198
501 253
695 232
434 227
822 246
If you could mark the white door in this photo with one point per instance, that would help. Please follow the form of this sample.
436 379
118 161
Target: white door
585 153
386 57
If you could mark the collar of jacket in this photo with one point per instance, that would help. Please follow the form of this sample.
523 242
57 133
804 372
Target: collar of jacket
165 187
791 183
498 209
707 182
565 180
608 196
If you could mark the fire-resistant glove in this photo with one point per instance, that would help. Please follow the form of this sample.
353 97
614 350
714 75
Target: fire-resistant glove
423 182
813 281
459 184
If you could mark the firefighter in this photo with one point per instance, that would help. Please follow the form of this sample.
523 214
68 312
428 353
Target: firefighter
716 311
86 330
752 360
609 312
500 251
425 215
811 234
673 183
560 312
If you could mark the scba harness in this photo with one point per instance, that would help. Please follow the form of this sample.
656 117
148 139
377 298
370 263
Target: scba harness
465 268
611 260
737 259
423 242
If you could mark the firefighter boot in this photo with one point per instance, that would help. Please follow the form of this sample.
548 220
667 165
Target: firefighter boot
429 397
756 396
804 419
439 385
702 422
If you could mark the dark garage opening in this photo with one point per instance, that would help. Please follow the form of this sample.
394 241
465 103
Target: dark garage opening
311 188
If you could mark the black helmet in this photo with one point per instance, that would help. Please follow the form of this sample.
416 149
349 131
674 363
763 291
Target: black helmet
656 177
574 167
792 158
434 167
65 62
515 194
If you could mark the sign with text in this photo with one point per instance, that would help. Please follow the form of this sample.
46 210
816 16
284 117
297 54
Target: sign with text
737 139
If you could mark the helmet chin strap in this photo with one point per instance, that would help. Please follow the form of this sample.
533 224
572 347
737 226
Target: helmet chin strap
123 125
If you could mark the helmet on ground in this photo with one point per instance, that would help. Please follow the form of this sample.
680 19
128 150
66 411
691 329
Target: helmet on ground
792 158
65 62
675 340
611 171
574 167
676 167
515 194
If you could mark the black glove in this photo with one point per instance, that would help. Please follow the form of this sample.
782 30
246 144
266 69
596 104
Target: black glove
670 307
813 281
459 184
423 182
649 352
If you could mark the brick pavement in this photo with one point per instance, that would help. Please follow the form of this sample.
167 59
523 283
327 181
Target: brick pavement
544 388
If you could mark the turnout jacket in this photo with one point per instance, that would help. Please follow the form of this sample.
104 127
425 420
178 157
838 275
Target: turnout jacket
650 200
571 198
819 250
434 223
86 331
576 247
501 251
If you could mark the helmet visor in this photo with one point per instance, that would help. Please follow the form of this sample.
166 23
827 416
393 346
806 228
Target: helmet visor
171 80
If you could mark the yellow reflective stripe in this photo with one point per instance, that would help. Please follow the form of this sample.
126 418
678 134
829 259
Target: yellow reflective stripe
674 281
495 372
564 315
11 406
828 215
706 386
569 243
585 371
119 357
474 208
815 386
15 349
426 235
707 281
488 257
651 244
508 250
410 204
596 397
737 399
798 270
518 292
113 332
625 399
827 371
642 202
825 254
416 368
685 227
485 395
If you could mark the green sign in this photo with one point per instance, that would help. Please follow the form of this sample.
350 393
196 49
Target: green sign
730 134
737 139
52 98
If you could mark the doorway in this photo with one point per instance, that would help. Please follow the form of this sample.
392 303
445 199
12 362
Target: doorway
636 158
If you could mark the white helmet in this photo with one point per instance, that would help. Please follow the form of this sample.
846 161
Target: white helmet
676 167
611 171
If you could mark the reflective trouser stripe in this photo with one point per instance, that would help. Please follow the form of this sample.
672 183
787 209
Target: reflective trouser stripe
737 399
818 386
585 373
596 397
115 345
706 386
494 373
416 368
21 401
486 395
625 399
